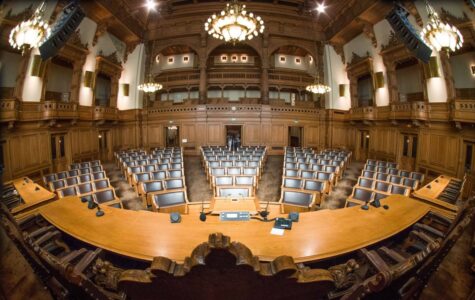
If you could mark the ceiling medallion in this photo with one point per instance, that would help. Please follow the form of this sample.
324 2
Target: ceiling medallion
30 33
439 35
234 24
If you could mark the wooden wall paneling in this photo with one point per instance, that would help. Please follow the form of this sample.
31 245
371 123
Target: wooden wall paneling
279 135
155 135
251 134
312 136
216 134
28 152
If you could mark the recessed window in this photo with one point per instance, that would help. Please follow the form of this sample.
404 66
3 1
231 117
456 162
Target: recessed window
244 58
157 59
171 60
282 59
473 70
234 58
186 59
298 60
224 58
310 59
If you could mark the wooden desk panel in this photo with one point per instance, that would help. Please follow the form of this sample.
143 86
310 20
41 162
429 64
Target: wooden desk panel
437 186
317 235
32 195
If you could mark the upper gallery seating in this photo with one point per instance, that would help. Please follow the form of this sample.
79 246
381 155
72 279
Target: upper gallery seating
160 172
87 180
307 172
240 169
380 179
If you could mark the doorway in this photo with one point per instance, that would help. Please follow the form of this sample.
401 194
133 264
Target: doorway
409 152
172 136
104 151
233 136
363 145
58 152
295 136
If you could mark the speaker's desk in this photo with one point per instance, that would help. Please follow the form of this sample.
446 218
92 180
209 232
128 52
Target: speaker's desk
32 195
318 235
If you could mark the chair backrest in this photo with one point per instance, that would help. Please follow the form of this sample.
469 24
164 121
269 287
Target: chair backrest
152 186
395 179
324 176
240 163
101 184
370 168
379 196
291 165
404 173
58 184
175 173
98 175
165 199
85 171
332 169
158 175
84 188
48 178
133 170
71 181
409 182
153 161
244 180
104 196
382 186
84 165
399 189
291 173
317 167
292 183
223 180
382 176
73 173
366 182
362 194
297 198
250 171
61 175
218 171
392 165
392 171
85 178
234 171
417 176
142 177
174 184
214 164
67 191
226 163
96 169
149 168
162 166
307 174
371 162
304 166
314 185
233 192
176 166
382 170
368 174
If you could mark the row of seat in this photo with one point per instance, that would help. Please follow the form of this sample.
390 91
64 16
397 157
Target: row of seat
394 171
146 188
72 173
361 195
318 187
86 164
55 186
226 181
407 181
381 163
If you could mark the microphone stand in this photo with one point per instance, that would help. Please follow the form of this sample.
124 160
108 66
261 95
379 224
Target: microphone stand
264 214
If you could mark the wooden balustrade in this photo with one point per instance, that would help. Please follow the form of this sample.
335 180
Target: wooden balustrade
59 110
410 111
9 110
104 113
463 111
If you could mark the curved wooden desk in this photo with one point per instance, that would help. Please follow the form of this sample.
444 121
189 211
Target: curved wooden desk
318 235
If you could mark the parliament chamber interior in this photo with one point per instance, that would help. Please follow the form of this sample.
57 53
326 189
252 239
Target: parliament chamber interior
268 149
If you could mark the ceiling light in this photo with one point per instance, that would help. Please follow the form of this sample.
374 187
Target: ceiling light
30 33
439 35
150 86
234 24
150 4
321 8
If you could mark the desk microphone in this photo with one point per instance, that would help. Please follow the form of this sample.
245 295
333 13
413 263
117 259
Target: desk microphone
264 214
202 213
99 212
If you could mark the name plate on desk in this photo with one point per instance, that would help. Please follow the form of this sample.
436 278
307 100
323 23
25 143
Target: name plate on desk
234 216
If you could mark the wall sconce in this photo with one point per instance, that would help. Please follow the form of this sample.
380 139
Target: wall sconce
342 89
379 80
234 58
473 70
224 58
37 66
431 69
125 89
170 60
89 79
282 59
244 58
298 61
186 59
157 58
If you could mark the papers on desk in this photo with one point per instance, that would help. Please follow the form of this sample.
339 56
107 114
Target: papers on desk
277 231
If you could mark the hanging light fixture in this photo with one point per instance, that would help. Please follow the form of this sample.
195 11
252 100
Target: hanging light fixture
234 24
150 86
30 33
317 87
439 35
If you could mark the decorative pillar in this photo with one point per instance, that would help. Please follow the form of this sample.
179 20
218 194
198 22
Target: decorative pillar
203 89
392 82
20 80
265 85
76 80
448 76
114 90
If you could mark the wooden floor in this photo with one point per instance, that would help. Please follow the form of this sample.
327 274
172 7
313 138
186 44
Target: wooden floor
453 280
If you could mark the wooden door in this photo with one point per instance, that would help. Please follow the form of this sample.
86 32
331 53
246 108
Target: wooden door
105 153
58 152
408 155
469 168
362 150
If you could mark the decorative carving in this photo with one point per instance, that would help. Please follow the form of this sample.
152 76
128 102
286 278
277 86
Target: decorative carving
106 274
446 16
412 9
344 274
111 57
339 50
23 15
75 40
100 30
219 266
129 48
392 42
355 58
368 31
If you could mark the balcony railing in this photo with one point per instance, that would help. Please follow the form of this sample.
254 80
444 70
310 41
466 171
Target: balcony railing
410 111
59 110
9 110
105 113
367 113
463 111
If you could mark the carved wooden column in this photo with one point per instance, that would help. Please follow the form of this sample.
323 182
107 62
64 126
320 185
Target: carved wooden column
114 90
203 86
112 67
392 82
265 85
20 80
76 80
448 76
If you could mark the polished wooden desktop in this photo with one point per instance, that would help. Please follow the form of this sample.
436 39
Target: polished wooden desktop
32 195
318 235
430 193
220 204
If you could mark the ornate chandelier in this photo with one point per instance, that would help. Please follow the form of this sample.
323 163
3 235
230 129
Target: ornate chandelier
439 35
318 88
150 86
30 33
234 24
